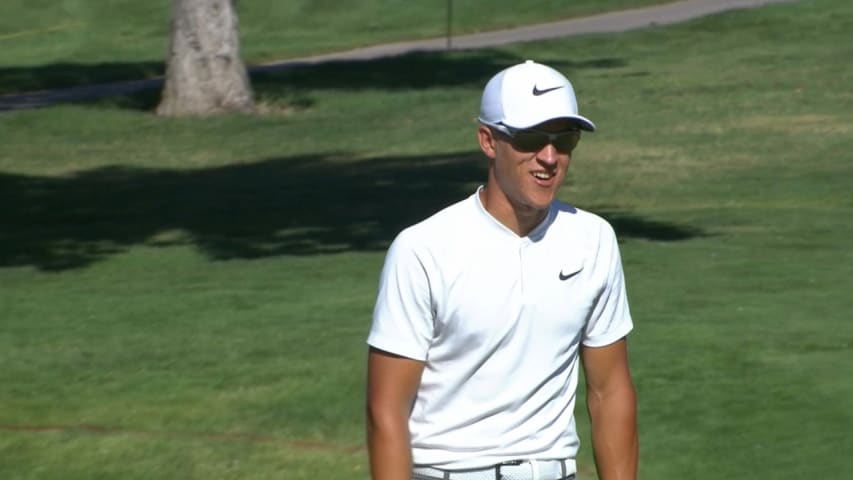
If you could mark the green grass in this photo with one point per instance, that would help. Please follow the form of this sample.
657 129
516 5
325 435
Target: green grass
190 298
48 44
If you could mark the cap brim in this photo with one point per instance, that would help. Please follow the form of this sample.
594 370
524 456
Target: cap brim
582 122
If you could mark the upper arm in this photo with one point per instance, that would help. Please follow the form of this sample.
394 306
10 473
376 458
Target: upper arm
400 333
606 368
392 382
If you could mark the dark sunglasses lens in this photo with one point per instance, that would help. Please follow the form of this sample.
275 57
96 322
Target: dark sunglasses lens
532 141
566 142
527 141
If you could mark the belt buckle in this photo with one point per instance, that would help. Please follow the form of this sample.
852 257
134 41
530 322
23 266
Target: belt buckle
509 463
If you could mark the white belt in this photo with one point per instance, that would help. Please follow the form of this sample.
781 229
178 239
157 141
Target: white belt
514 470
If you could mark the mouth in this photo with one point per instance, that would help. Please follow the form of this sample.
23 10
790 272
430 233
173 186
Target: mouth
544 176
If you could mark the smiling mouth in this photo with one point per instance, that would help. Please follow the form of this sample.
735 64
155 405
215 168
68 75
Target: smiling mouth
543 175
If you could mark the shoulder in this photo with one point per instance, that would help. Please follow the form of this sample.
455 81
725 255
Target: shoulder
441 227
581 222
436 235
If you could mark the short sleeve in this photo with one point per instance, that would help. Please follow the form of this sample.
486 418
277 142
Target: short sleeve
402 321
611 318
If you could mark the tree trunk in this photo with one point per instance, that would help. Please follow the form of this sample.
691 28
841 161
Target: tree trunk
204 73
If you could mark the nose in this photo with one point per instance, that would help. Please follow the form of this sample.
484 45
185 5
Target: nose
548 154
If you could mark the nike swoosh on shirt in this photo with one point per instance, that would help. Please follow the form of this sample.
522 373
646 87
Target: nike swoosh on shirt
537 92
568 275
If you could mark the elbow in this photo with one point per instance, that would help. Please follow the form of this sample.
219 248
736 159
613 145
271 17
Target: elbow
620 401
382 417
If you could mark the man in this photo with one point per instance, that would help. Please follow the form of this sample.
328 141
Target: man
485 308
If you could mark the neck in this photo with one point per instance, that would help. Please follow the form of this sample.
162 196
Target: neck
520 219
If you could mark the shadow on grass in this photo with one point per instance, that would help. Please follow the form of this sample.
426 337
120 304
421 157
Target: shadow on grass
300 205
69 74
296 206
140 90
628 225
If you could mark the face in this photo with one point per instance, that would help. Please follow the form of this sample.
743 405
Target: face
524 174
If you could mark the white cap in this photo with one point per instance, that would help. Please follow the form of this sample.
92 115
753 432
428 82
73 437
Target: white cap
527 94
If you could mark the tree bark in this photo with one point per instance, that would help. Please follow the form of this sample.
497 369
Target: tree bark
204 72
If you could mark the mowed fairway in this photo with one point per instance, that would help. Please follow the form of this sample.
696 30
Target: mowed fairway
189 299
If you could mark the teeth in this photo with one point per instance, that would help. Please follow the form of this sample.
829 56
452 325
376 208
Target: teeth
542 175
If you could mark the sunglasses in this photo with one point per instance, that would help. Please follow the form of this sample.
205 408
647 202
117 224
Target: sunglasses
532 140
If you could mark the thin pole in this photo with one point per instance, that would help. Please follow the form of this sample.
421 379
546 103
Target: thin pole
449 24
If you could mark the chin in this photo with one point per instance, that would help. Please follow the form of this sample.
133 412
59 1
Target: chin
539 204
541 201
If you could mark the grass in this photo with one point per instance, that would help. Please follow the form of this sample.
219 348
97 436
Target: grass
190 298
59 44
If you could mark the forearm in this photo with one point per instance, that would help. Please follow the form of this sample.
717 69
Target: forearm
615 443
389 450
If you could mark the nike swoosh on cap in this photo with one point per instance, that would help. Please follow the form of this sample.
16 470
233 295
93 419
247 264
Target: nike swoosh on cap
537 92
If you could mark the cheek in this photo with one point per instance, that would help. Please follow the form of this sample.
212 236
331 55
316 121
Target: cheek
509 166
504 172
508 172
506 162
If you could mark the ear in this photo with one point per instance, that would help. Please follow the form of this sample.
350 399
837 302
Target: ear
487 141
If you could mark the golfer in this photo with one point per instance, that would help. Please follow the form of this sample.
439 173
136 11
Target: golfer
486 310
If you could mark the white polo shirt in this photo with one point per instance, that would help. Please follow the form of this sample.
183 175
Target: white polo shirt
498 320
